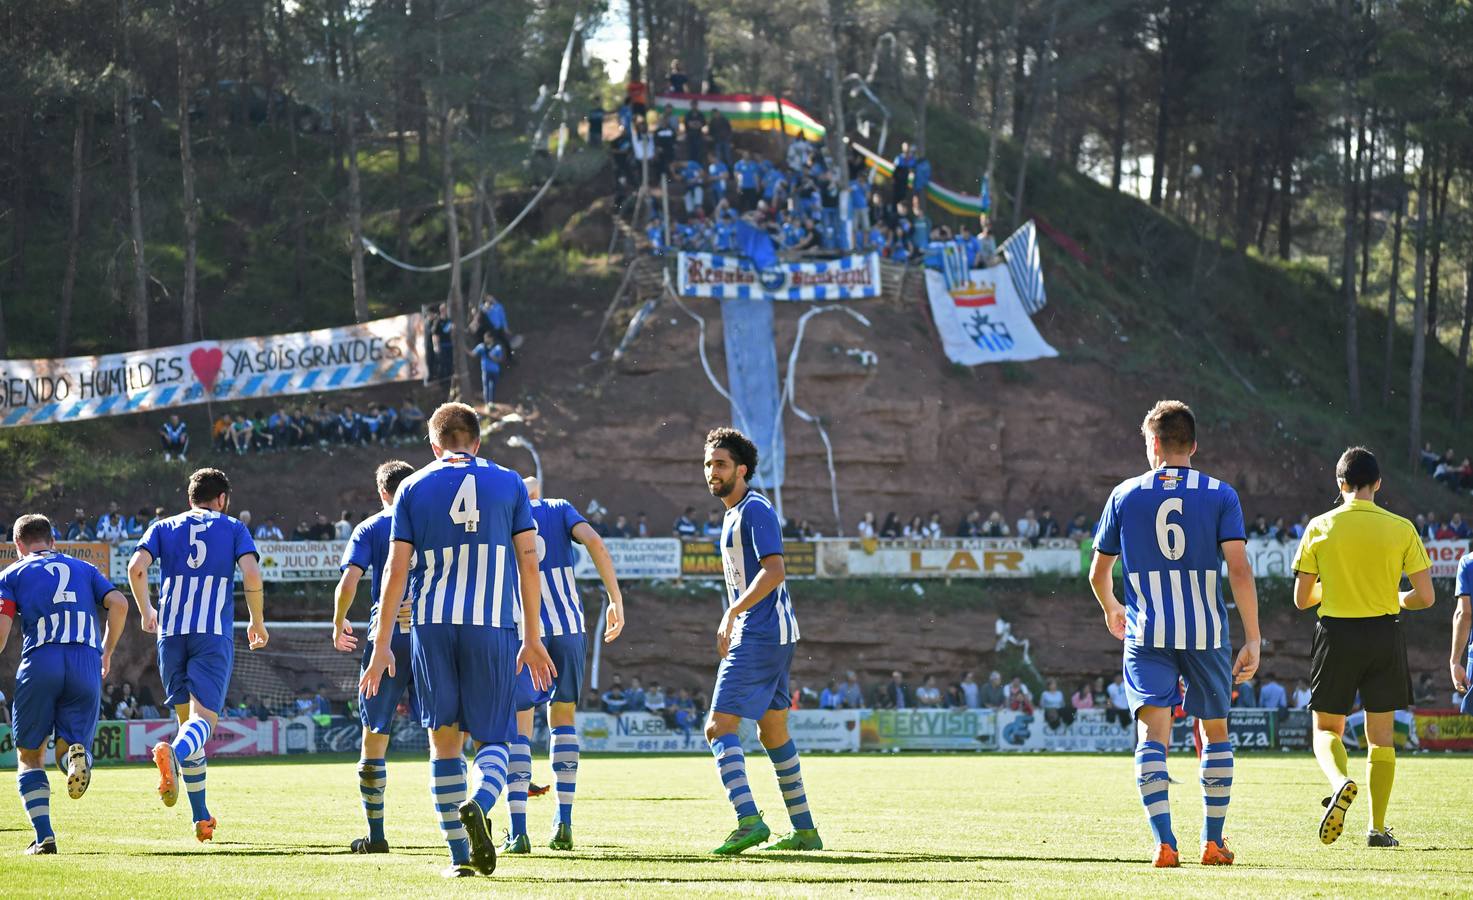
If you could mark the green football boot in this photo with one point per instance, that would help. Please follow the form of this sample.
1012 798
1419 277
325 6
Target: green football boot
750 832
562 839
516 845
801 839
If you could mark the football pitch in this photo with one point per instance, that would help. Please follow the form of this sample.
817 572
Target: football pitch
934 825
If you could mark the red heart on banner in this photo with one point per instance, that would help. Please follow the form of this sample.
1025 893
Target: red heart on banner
206 363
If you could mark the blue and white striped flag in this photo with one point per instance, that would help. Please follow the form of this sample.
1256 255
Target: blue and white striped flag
1021 251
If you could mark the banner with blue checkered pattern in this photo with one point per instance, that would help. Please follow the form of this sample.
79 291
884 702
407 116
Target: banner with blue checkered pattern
735 278
44 391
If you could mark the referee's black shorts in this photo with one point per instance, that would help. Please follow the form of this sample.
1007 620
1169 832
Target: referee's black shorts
1359 656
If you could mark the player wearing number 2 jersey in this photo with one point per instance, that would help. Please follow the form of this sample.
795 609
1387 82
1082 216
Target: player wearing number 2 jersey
197 551
1172 527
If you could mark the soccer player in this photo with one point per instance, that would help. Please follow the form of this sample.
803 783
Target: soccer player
756 640
368 551
464 541
1349 563
1461 661
558 526
64 658
197 551
1172 527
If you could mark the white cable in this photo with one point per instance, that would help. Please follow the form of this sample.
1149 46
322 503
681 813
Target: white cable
706 363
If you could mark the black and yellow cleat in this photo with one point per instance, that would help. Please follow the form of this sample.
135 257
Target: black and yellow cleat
562 839
1332 825
1381 838
78 771
42 848
483 848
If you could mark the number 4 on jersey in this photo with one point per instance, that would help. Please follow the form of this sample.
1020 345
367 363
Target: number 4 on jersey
463 509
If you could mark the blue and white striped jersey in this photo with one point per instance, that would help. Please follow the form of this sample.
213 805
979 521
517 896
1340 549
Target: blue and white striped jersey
368 549
1166 526
56 598
196 551
749 533
459 514
562 611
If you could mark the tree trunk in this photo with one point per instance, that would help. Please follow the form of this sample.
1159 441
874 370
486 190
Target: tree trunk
478 223
923 74
19 202
634 68
135 204
1419 324
1286 203
452 226
1368 182
299 213
74 230
1117 136
1394 288
188 299
1163 111
1439 211
1463 346
837 151
355 192
1347 275
1040 79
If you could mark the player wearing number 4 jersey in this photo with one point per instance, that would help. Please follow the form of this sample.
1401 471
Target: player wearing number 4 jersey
197 552
464 542
368 551
65 654
1172 527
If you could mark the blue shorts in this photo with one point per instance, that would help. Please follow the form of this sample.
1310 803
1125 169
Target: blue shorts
1153 676
58 687
466 675
1467 706
752 679
568 652
198 665
377 712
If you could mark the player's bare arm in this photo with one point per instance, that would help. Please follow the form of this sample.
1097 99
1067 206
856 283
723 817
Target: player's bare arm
342 629
1462 616
1102 582
138 581
6 620
1245 596
255 596
584 534
532 655
396 576
774 573
1421 596
1305 594
117 614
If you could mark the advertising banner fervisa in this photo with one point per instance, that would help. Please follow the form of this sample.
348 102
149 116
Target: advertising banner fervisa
39 391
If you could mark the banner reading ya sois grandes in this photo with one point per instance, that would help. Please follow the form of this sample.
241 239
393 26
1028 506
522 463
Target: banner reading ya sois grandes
35 391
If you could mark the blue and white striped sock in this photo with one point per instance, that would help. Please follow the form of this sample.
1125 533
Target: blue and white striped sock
491 761
191 737
1151 777
192 771
790 782
373 775
35 795
518 779
447 789
565 770
731 762
1217 788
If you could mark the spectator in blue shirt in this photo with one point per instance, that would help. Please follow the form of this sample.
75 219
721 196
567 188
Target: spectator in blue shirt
1272 695
1247 697
859 204
694 176
613 698
717 174
830 697
904 162
491 355
922 177
78 529
656 234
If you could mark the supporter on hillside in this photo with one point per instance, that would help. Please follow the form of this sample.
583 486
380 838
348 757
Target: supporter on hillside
986 244
1028 527
995 526
798 153
748 181
664 145
695 133
992 695
1259 528
411 419
1246 696
914 529
1429 458
891 526
1119 709
685 526
1017 696
1281 530
1082 698
928 694
220 433
903 164
343 527
641 528
851 695
893 694
921 177
322 529
613 699
933 526
1458 527
713 525
79 529
620 528
175 437
490 354
1301 696
830 697
438 331
269 531
111 526
971 526
1048 526
807 532
1055 711
866 528
241 431
971 690
158 514
678 78
350 426
138 522
719 128
1272 694
693 175
1079 529
654 699
954 698
245 518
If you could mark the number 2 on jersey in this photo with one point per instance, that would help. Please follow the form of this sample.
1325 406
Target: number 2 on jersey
63 577
463 510
1170 536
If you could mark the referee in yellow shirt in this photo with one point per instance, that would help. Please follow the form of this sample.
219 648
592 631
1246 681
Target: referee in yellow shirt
1350 562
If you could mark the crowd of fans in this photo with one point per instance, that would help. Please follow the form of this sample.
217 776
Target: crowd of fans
682 709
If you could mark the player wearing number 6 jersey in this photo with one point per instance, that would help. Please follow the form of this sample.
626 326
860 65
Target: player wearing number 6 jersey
464 542
65 654
1172 527
197 551
368 551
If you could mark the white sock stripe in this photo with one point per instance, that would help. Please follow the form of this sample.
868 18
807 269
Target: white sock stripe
373 784
1151 768
797 809
739 784
1219 755
194 787
38 794
789 777
732 765
794 792
439 781
1217 772
1158 808
1216 812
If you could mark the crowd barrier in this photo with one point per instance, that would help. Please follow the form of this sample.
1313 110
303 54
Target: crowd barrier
825 730
667 559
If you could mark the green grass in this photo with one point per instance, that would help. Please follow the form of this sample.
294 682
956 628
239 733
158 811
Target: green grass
936 825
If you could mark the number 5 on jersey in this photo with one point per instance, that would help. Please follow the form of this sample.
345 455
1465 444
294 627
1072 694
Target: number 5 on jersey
463 510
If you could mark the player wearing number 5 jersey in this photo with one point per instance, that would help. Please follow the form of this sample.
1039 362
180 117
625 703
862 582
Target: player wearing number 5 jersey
65 654
197 552
464 542
1172 528
368 551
